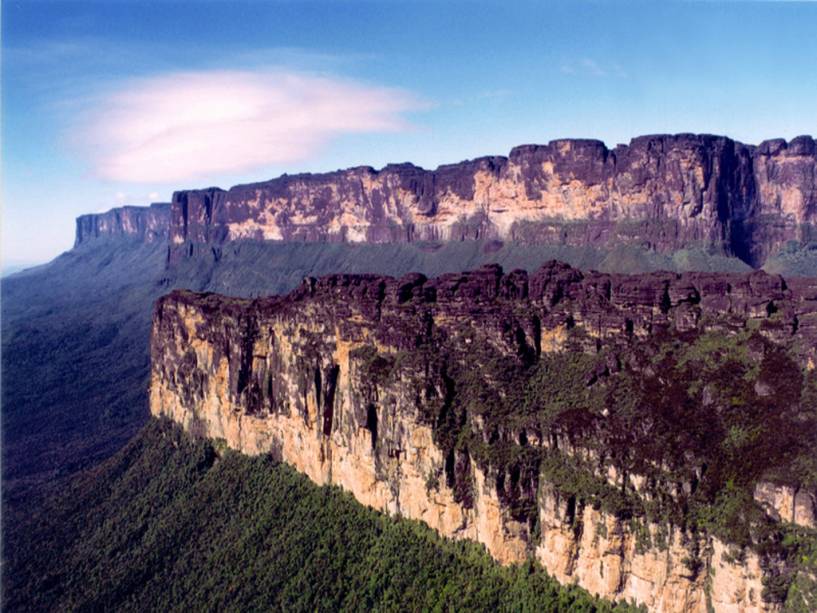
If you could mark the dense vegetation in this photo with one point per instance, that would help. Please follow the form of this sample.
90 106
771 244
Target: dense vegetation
173 523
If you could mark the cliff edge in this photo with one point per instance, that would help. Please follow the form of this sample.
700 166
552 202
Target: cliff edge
662 193
141 223
648 436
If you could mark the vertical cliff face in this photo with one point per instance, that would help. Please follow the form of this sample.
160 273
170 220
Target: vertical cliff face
530 413
661 192
785 178
146 224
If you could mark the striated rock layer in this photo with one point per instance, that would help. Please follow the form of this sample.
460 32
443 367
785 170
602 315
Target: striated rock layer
662 192
145 224
362 381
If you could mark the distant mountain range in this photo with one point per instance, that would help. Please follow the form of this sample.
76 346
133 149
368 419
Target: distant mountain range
661 195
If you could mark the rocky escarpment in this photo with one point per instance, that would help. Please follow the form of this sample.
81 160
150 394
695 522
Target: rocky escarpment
636 434
142 223
662 193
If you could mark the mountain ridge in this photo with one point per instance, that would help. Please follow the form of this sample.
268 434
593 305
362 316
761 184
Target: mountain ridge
660 192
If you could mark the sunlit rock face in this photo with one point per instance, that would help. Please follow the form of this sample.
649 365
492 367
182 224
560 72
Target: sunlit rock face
663 193
358 381
660 192
145 224
787 503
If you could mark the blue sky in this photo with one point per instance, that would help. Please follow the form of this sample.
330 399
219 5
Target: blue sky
123 102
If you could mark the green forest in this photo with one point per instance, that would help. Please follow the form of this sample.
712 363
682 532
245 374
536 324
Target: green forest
176 523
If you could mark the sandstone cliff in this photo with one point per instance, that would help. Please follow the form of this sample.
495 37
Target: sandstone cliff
146 224
636 434
662 193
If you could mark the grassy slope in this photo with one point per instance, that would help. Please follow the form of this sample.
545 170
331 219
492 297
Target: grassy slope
167 524
251 267
794 261
75 360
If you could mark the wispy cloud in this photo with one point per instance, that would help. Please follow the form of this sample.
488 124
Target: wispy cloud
593 68
99 53
191 125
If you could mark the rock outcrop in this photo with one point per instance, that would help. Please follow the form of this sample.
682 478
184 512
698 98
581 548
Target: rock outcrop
546 415
787 503
142 223
663 193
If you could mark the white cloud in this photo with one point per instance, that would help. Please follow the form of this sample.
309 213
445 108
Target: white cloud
190 125
153 196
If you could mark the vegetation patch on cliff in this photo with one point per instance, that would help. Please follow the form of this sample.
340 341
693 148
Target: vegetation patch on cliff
674 430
